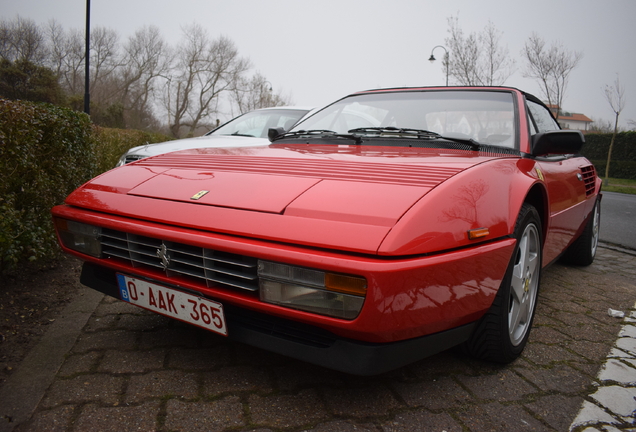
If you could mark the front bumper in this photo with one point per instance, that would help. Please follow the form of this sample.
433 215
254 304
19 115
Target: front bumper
306 342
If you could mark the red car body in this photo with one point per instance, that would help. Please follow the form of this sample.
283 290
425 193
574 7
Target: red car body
430 230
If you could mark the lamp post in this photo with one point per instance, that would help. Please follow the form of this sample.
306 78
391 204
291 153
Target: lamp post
87 96
446 59
268 88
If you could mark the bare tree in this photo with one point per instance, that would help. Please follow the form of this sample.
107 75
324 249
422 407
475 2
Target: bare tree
66 57
104 62
615 95
465 54
22 40
146 59
126 80
255 93
551 67
203 70
56 38
477 59
496 66
182 77
600 125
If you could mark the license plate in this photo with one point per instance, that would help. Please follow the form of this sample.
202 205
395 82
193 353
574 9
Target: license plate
172 303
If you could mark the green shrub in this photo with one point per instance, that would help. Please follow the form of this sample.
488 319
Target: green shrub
111 144
623 163
597 146
618 168
28 81
45 153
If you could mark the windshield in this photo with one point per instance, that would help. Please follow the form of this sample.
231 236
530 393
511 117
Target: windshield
257 123
484 116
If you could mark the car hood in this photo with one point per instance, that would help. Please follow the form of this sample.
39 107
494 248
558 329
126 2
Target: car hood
341 197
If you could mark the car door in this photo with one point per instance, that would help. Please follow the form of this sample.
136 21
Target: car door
564 177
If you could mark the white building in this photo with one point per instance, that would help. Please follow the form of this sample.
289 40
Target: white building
568 120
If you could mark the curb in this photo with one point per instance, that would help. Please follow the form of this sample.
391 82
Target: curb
22 392
617 248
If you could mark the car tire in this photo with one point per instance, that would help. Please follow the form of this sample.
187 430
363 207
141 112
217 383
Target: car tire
583 250
502 333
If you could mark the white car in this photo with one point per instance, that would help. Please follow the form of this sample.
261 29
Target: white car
247 130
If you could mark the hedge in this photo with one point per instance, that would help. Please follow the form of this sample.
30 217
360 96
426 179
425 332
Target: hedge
618 169
110 144
623 163
45 153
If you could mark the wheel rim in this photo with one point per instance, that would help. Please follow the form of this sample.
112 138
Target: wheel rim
524 285
596 224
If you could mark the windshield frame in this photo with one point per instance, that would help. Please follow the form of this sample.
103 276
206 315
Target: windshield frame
432 97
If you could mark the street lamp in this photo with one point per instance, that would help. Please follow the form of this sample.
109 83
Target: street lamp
87 96
446 59
265 97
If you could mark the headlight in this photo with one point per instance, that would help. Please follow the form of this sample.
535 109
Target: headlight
79 236
311 290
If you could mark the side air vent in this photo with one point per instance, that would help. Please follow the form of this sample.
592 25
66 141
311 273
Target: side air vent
589 177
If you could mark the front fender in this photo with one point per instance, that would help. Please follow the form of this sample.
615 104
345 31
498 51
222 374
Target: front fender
488 195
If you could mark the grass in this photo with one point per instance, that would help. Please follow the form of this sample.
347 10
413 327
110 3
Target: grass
625 186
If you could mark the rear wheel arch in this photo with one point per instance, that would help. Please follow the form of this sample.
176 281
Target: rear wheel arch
583 250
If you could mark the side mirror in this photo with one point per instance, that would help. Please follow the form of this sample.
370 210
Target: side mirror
557 142
272 133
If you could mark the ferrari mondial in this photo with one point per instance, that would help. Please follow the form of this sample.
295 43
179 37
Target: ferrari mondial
389 226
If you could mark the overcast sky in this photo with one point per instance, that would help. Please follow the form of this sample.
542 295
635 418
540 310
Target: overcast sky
320 51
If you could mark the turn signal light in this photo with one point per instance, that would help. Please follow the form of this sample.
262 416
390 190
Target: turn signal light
478 233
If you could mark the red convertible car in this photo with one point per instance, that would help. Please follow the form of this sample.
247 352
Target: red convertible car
389 226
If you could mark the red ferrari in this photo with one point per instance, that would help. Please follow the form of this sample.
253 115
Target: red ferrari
389 226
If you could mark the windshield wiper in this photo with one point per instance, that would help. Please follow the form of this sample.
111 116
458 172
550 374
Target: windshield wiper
474 145
414 133
237 133
390 130
318 133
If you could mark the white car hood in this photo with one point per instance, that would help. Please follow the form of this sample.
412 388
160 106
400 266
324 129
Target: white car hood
205 141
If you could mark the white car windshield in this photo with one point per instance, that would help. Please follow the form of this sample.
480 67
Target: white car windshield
257 123
486 117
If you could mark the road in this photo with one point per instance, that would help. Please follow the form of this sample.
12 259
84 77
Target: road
618 214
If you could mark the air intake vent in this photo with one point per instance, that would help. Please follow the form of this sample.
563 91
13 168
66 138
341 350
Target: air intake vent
213 268
589 178
404 174
132 158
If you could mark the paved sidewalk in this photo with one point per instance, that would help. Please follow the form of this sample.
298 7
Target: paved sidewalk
614 401
131 370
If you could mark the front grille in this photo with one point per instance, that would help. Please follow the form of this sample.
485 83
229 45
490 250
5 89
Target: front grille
589 179
213 268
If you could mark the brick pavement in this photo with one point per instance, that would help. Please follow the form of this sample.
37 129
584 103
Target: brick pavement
133 370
